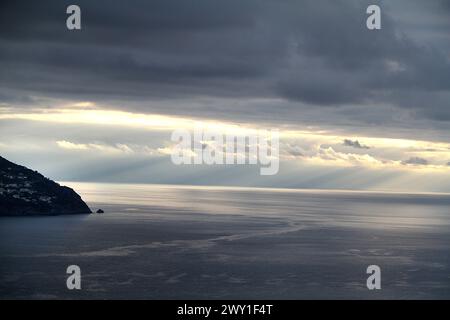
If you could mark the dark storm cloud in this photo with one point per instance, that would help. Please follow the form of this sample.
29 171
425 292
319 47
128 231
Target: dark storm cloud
338 61
354 144
317 53
147 48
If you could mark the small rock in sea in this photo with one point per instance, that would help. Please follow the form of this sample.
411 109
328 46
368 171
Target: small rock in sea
100 211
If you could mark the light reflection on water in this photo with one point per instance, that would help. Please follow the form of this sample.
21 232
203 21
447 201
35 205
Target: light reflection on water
370 209
156 241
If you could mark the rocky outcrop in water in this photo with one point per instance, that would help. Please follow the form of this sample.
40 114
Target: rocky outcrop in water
24 192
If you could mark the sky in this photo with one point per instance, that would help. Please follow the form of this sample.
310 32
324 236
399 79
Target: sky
356 108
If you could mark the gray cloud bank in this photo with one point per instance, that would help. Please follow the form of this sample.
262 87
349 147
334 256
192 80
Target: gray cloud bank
355 144
416 161
309 54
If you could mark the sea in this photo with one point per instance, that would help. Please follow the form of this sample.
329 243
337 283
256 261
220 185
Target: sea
195 242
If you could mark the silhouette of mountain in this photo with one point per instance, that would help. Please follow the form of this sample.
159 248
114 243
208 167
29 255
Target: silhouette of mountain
25 192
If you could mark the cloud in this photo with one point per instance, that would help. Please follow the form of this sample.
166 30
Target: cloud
309 67
355 144
71 146
117 148
415 161
293 150
329 154
304 53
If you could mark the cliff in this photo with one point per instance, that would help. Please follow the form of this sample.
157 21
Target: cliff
25 192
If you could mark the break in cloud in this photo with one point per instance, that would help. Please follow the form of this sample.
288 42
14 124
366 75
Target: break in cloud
98 145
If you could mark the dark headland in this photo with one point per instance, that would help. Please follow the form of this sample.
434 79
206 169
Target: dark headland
24 192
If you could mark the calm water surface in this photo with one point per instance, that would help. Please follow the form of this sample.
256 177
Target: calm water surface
158 242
